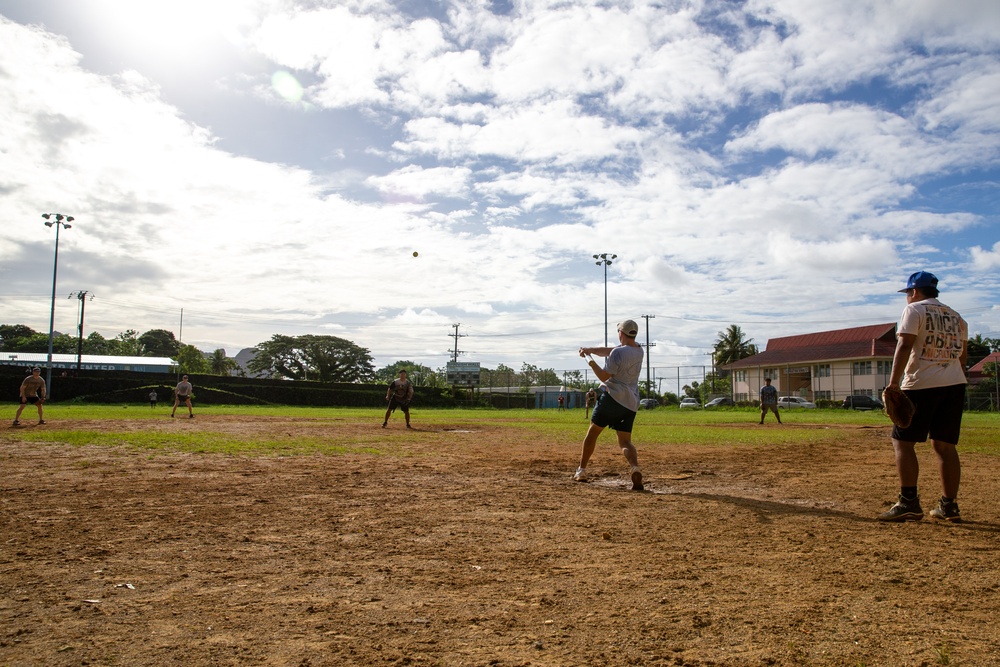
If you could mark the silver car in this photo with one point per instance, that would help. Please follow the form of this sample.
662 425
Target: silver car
794 402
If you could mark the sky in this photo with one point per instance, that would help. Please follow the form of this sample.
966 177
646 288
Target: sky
239 169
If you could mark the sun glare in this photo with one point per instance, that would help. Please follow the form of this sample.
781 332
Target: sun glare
175 32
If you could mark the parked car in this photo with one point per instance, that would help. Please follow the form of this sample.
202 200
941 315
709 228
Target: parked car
648 403
689 403
720 402
794 402
862 403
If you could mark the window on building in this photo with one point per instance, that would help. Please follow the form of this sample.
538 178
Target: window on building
825 393
740 376
884 367
821 370
861 368
771 373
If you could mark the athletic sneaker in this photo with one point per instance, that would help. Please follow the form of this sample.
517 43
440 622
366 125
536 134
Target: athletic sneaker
947 510
190 416
41 421
16 423
580 475
637 480
904 510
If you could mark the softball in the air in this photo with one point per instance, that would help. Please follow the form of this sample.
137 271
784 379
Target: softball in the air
415 253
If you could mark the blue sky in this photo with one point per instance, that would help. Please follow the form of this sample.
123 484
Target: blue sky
270 167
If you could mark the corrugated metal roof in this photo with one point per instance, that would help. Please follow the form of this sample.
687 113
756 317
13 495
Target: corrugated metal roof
877 340
41 358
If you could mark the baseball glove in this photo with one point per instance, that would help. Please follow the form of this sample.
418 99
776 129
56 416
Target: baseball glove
898 406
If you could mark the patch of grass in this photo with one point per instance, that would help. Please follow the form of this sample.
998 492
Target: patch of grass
662 426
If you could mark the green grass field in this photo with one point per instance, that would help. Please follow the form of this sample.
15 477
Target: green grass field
338 430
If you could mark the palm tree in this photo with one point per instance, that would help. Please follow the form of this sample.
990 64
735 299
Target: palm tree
221 364
733 345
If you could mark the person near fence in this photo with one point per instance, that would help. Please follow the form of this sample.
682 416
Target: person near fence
182 394
768 400
929 367
32 391
399 395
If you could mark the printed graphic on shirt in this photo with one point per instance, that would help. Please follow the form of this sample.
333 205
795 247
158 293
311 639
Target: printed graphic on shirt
944 334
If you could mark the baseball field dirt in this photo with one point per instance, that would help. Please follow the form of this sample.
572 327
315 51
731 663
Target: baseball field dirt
469 544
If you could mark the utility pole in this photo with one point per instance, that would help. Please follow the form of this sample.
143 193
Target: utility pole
648 345
82 296
456 336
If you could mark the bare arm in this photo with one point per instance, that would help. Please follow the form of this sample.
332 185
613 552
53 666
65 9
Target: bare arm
904 345
601 374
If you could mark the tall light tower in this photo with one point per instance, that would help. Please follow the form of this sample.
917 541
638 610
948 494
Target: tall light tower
605 259
58 220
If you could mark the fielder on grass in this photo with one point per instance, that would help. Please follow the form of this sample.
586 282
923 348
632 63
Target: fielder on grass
618 400
399 395
32 391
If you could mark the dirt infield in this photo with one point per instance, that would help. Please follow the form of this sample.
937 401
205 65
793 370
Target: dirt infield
472 546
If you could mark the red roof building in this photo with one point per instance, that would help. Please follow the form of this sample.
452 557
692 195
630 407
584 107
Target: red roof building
824 365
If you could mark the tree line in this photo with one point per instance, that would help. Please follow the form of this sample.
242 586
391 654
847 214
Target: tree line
334 359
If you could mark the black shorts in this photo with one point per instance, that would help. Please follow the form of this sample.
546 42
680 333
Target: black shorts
183 399
396 403
30 399
609 412
938 414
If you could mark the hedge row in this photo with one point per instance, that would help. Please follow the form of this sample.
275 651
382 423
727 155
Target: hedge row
127 387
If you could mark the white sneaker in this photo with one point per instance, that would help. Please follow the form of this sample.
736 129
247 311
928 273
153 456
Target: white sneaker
580 475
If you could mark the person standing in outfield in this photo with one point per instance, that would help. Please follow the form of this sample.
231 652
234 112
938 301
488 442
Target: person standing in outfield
768 401
182 394
399 395
618 400
32 391
591 401
152 399
929 367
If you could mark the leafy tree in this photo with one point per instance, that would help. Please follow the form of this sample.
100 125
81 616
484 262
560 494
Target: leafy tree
125 344
715 385
979 349
547 376
11 335
733 345
192 360
159 343
692 390
220 364
529 375
95 343
311 357
39 343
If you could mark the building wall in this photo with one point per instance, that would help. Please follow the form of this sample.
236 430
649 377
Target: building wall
832 380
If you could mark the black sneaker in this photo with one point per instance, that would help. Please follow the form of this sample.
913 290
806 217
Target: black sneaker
947 510
904 510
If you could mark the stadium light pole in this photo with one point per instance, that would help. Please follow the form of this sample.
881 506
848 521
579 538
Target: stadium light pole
58 220
605 259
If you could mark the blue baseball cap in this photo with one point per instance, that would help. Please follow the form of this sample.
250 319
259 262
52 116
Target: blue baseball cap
920 279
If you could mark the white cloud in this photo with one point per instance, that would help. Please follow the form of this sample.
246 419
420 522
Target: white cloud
986 260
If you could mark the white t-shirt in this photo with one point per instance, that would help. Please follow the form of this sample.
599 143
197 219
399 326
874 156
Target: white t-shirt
941 336
624 364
